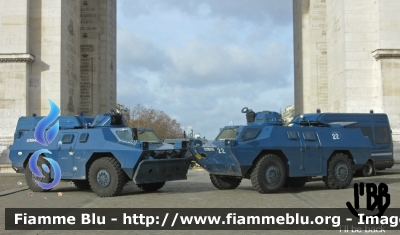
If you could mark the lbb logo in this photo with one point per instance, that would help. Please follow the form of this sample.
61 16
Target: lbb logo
45 138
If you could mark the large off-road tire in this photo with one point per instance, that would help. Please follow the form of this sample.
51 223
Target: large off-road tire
106 177
151 187
82 184
340 172
30 177
222 182
269 174
368 169
295 182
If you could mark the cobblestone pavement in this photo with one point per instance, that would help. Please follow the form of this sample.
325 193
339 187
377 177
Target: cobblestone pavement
197 192
11 181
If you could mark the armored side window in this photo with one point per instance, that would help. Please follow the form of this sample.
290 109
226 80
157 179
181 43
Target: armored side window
83 137
21 133
367 131
67 138
148 135
292 135
125 135
309 135
382 134
250 133
227 134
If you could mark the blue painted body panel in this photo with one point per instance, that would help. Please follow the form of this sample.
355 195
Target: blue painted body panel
373 125
306 149
75 155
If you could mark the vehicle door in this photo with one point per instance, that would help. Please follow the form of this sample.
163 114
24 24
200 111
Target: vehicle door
311 152
66 152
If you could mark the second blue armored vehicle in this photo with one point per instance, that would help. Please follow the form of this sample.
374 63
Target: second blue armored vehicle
374 126
274 156
100 153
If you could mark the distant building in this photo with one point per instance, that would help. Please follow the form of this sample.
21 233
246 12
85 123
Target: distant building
288 114
59 50
347 57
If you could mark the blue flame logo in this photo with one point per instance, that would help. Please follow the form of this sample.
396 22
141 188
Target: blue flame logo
51 133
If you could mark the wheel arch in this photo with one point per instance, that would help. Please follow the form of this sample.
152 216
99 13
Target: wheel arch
346 152
279 153
25 164
94 157
27 160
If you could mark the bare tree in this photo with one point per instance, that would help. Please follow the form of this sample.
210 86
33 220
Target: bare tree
162 124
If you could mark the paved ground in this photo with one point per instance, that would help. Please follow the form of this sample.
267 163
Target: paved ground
396 152
196 192
11 181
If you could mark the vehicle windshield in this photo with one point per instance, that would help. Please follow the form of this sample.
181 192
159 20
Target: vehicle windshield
125 135
147 135
227 134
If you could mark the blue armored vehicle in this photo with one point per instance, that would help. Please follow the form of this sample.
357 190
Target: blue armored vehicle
101 153
188 154
375 126
273 156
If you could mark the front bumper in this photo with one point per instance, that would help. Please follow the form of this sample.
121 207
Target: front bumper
217 160
161 170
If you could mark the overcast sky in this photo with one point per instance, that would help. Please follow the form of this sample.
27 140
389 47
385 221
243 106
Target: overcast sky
202 61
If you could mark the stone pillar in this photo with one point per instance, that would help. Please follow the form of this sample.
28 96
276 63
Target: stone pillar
310 46
301 53
70 61
318 57
363 61
15 64
108 54
389 71
352 36
56 46
63 50
387 57
98 56
89 56
336 56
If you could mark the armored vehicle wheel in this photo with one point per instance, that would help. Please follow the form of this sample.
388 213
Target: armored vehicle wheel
269 174
368 169
106 177
340 172
151 187
295 182
30 177
221 182
82 184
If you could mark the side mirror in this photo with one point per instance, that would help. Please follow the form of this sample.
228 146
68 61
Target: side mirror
245 110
